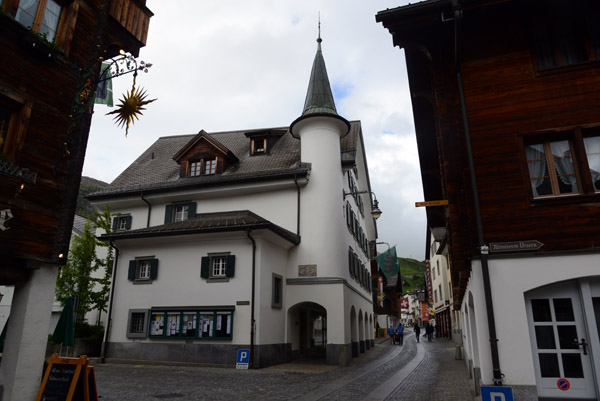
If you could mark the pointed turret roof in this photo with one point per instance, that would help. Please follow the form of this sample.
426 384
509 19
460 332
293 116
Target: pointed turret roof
319 98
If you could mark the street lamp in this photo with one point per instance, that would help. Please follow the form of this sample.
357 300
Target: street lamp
375 211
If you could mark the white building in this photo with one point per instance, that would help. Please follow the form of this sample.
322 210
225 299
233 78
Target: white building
250 239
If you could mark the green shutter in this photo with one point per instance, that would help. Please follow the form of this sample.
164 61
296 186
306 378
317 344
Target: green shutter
128 222
205 267
350 261
153 269
115 222
168 214
230 267
131 271
191 210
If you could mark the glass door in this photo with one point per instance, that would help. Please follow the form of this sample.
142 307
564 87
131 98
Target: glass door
560 343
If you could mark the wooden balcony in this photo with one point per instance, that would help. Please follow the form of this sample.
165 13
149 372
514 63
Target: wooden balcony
134 17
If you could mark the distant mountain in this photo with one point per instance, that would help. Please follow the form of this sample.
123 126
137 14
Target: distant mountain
87 186
413 274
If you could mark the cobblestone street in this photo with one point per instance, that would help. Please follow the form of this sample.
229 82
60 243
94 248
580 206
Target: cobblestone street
414 372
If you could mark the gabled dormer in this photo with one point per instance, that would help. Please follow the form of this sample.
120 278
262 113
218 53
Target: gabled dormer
261 142
203 155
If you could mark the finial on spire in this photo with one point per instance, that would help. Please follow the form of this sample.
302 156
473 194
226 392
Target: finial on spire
319 40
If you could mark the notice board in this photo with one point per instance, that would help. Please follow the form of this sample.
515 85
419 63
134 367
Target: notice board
68 379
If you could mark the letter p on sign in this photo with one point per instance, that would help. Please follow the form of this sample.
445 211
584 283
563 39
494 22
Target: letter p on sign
496 393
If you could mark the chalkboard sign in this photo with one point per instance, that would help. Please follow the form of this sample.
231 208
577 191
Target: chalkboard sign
67 379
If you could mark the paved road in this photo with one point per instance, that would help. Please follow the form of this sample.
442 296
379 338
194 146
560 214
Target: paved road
423 371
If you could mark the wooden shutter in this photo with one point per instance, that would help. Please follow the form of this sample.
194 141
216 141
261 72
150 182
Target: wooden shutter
128 222
131 271
168 214
230 266
153 269
350 261
115 223
205 267
191 210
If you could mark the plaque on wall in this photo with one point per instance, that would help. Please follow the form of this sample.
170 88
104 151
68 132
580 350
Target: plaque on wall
307 270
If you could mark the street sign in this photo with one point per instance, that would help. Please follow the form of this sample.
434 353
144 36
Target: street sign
443 202
496 393
515 246
243 359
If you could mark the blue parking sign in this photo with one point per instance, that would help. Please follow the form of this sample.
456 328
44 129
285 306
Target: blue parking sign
496 393
243 358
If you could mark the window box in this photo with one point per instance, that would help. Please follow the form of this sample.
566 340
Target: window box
191 324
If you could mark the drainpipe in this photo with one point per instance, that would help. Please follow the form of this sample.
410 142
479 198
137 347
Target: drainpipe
298 202
104 351
252 322
497 374
149 209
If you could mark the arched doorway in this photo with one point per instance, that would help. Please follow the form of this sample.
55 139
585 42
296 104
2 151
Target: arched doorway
307 330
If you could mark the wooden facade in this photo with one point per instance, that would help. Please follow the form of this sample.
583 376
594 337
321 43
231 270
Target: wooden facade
531 73
47 83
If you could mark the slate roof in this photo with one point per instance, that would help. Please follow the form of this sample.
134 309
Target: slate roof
156 171
203 223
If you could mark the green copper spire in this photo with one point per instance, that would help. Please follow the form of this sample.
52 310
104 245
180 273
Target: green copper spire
319 99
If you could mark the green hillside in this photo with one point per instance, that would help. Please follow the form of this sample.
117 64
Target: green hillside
413 274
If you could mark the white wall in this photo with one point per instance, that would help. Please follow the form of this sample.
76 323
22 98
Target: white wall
510 278
179 282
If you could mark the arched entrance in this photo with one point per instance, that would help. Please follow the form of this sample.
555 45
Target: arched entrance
307 330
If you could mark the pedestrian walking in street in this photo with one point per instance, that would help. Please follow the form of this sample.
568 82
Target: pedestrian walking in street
392 334
400 334
417 330
429 331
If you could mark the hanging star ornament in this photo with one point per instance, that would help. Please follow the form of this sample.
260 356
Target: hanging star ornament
130 108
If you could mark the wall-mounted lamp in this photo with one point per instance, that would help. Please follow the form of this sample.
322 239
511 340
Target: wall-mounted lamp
375 211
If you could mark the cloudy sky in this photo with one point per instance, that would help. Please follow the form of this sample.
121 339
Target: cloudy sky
239 64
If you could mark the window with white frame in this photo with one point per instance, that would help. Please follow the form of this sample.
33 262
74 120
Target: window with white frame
218 266
179 212
143 270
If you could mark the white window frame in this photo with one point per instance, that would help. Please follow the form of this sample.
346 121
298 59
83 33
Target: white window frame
180 212
142 270
218 266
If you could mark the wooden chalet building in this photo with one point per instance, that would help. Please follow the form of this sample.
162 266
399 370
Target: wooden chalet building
506 105
50 52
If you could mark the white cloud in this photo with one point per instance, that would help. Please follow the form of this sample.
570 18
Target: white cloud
245 64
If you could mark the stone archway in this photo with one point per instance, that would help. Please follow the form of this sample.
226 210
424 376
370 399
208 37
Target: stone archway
307 330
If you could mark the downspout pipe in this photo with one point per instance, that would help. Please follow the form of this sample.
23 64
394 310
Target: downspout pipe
149 209
252 322
497 374
104 351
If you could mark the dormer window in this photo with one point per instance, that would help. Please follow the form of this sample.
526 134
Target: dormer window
203 167
259 146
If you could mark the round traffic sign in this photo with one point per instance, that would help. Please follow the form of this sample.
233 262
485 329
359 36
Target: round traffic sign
563 384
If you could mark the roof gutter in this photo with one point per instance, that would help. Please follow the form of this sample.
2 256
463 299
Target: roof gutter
497 374
149 208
